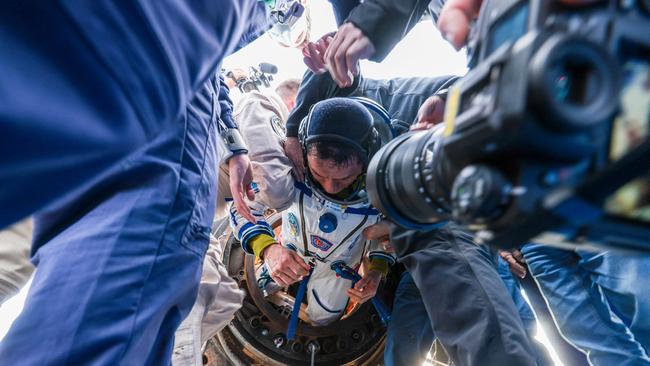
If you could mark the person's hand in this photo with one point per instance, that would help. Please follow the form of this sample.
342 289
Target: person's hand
380 232
431 112
515 261
285 265
314 53
456 16
293 151
241 177
344 52
366 288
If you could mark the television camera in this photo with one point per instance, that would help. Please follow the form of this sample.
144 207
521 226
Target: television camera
255 77
545 139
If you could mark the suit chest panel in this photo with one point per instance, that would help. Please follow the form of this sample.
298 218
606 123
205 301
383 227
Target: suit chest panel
328 232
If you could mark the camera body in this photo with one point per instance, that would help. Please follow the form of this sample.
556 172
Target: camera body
254 78
532 137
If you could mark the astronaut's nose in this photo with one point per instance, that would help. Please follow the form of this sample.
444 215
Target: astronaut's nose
331 187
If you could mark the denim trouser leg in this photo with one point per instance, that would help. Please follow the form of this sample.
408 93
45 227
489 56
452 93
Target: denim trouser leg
409 335
580 309
623 279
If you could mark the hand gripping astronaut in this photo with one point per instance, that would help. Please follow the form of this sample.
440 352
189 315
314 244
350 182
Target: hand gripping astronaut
324 217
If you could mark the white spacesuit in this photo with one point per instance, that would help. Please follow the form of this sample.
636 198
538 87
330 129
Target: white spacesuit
321 230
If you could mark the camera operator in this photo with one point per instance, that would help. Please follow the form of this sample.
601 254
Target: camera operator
597 299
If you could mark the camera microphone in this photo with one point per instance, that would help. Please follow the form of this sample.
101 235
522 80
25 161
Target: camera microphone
268 68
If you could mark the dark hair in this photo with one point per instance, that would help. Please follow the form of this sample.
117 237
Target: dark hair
340 153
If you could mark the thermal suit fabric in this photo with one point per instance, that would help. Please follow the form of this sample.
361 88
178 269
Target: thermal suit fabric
260 118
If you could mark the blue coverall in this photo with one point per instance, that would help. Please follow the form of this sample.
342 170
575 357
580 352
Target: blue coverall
102 124
85 83
599 300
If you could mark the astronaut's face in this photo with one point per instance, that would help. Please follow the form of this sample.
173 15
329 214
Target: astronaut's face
333 177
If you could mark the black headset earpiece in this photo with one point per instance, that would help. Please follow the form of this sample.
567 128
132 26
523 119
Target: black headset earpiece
383 130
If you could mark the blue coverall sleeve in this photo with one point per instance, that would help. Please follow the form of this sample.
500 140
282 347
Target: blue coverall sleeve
225 105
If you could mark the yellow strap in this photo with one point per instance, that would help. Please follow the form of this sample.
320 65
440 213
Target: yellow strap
451 109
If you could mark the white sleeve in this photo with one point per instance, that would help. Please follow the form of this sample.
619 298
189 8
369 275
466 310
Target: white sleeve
261 123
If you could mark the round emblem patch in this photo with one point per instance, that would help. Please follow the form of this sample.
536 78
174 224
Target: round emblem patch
278 126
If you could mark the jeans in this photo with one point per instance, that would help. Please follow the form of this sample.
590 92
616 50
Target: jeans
599 300
409 335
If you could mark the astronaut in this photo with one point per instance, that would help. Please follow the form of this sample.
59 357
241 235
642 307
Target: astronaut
323 218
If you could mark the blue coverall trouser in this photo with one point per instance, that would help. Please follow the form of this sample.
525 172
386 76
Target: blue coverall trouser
600 301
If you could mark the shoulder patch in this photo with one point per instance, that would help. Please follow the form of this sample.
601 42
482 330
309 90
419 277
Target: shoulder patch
294 228
278 127
320 243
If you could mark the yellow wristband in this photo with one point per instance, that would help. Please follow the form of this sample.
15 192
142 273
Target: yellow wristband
260 242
